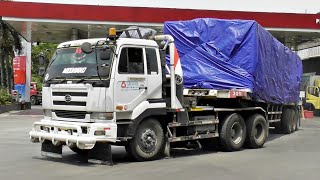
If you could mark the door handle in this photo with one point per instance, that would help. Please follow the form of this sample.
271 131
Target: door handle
143 88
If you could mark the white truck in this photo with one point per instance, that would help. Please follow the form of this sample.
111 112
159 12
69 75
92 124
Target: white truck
115 91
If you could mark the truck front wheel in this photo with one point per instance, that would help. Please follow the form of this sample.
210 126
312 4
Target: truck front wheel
232 132
256 131
148 142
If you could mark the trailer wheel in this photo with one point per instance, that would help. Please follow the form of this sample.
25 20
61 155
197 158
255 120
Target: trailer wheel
232 132
287 120
256 131
294 122
297 120
148 141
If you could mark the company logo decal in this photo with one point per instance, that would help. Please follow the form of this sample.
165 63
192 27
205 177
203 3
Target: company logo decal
67 98
74 70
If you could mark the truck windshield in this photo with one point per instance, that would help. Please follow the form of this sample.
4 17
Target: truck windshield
72 63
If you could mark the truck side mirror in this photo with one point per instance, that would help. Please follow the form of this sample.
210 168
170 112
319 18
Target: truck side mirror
41 59
86 47
41 71
105 54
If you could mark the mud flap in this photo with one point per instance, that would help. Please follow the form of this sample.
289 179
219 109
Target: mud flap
167 147
50 150
101 153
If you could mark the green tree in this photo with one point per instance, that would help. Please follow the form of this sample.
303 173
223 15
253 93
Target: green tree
43 48
9 41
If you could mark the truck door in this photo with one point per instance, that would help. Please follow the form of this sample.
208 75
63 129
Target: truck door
131 83
154 75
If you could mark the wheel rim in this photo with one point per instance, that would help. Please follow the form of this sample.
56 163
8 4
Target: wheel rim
259 132
236 133
148 141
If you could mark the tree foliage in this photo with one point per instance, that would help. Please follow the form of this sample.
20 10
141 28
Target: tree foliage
9 41
43 48
47 49
5 97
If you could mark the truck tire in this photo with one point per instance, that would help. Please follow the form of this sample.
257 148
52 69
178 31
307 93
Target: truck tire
298 119
33 100
148 141
232 132
287 120
256 131
294 122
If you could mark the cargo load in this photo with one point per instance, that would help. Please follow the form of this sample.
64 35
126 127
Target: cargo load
236 54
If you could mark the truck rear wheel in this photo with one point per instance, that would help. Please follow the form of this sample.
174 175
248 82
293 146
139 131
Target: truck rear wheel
148 142
298 119
256 131
294 122
287 119
232 132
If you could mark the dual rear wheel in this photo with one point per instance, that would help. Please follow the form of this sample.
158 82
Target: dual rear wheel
290 121
235 132
149 141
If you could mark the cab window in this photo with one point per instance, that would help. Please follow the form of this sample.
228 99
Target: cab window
131 61
152 63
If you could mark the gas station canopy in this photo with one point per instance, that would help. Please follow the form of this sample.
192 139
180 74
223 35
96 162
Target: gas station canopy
44 22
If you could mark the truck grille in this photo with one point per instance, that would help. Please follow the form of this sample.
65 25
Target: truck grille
70 93
59 98
72 103
71 114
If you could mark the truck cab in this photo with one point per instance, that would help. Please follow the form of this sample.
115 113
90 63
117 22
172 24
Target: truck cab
88 95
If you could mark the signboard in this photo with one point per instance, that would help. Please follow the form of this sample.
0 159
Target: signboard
19 70
21 88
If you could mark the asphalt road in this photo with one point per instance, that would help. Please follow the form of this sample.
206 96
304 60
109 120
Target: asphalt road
294 156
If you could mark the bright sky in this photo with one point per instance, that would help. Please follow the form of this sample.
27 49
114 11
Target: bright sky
290 6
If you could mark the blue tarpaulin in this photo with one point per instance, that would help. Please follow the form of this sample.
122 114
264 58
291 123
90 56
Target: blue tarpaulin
236 54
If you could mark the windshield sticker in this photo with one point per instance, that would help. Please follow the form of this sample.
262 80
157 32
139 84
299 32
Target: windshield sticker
78 50
74 70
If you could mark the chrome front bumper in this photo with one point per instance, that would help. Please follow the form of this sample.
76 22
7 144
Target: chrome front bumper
71 133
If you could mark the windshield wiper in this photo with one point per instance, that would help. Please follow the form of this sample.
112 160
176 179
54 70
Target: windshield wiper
63 79
79 81
85 79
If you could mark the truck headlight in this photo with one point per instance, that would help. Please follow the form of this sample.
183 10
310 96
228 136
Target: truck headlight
47 112
102 116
